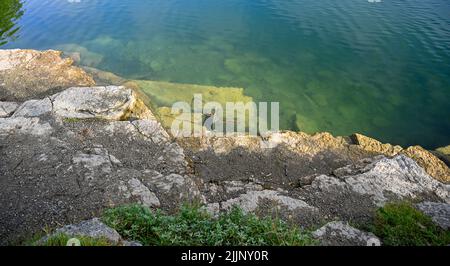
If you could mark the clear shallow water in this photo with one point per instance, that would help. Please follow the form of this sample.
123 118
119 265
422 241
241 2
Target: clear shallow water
382 69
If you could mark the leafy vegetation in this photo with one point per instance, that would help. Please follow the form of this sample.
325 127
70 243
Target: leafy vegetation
10 12
194 226
400 224
61 240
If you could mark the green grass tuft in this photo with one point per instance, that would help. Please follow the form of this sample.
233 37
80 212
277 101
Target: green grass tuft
400 224
195 227
72 120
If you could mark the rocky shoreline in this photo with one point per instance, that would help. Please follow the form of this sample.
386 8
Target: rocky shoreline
71 147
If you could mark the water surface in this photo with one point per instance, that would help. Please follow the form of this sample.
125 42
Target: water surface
381 69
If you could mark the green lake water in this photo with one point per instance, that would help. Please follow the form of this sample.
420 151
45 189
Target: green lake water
343 66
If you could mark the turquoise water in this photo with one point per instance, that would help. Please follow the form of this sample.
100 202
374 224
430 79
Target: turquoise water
381 69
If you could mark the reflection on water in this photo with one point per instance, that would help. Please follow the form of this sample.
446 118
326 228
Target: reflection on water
10 12
381 69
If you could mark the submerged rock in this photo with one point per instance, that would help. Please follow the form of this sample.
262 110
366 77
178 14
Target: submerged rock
164 94
26 74
81 55
444 150
103 77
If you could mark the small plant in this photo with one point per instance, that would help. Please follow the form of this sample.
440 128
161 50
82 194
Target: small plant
61 240
72 120
400 224
195 227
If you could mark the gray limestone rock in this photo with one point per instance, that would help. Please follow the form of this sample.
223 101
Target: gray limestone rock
339 233
109 102
439 212
7 108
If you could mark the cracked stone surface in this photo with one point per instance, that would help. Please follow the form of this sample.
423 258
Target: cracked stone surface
146 197
7 108
109 103
24 126
399 176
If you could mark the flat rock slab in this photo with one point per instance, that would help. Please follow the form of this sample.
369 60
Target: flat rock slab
109 102
24 126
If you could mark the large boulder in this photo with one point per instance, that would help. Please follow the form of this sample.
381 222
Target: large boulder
28 74
24 126
109 103
385 179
